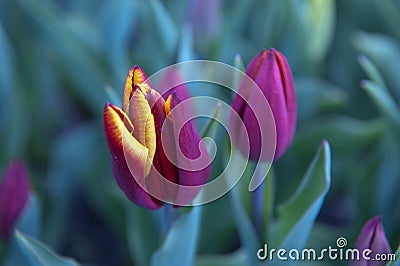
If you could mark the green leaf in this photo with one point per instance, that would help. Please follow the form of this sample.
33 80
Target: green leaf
166 26
179 247
7 73
238 75
314 24
343 132
247 233
113 97
210 128
142 234
237 258
315 95
67 172
384 101
186 52
298 214
397 261
39 254
28 223
71 53
30 220
384 51
390 12
371 70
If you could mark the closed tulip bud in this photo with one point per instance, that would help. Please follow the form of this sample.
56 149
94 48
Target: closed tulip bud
271 72
139 151
14 194
372 236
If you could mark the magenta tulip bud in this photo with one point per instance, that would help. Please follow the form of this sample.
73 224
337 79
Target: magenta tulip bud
204 18
372 236
271 71
14 194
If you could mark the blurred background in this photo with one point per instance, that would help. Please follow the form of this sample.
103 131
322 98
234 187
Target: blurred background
61 60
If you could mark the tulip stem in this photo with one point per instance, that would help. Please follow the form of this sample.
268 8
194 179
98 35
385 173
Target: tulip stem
262 202
170 216
3 251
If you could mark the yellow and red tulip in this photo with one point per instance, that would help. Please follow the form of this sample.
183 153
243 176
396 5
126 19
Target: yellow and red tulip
133 135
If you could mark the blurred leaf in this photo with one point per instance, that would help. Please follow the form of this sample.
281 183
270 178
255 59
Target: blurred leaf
247 233
119 23
397 261
67 172
345 133
237 75
142 234
387 182
385 53
39 254
298 214
179 247
237 258
371 70
166 26
271 14
72 52
314 24
30 220
315 95
28 223
186 52
113 97
391 13
7 73
384 102
210 128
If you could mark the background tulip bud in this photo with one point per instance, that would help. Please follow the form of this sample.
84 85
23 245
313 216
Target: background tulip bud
204 18
271 71
14 193
372 236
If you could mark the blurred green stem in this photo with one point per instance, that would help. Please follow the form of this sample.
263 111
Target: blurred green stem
170 215
2 251
262 200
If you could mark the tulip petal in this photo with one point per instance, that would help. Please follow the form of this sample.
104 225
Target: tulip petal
131 188
270 82
289 93
126 150
161 161
136 76
194 168
14 193
143 122
373 234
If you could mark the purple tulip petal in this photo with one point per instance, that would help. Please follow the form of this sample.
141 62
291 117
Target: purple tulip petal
14 194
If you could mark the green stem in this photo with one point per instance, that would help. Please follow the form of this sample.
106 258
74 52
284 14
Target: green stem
262 202
170 215
2 251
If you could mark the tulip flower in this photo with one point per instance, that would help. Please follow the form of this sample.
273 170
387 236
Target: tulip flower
204 19
139 148
372 236
271 71
14 194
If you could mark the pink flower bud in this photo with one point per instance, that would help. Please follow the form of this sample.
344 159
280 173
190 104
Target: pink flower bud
271 71
14 194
